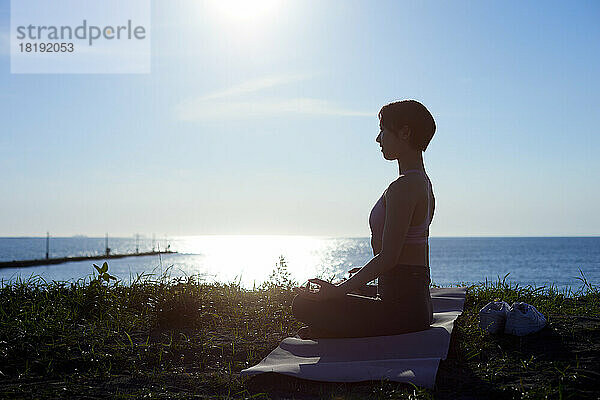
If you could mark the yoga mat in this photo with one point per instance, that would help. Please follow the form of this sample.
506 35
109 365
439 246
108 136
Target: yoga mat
408 357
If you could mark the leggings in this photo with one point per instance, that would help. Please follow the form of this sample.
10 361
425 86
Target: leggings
400 303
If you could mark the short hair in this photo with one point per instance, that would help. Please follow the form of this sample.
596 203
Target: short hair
395 115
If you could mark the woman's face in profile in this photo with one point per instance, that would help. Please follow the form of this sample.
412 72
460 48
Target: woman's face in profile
391 143
388 142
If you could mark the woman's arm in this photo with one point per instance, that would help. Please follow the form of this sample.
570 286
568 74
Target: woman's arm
375 245
401 199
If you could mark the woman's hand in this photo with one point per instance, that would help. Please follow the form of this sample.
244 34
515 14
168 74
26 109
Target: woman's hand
354 270
326 291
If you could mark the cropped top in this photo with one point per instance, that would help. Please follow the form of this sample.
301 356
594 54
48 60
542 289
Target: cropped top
417 234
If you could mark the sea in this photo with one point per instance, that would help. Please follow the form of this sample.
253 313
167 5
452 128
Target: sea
559 262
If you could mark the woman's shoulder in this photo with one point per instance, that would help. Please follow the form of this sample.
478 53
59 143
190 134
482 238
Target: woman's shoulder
405 186
406 181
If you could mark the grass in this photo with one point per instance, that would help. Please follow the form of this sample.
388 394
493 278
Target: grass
163 337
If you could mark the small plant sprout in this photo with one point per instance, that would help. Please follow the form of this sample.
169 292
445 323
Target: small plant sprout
103 274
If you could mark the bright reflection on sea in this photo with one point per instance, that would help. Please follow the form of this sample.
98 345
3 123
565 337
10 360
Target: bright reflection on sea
251 259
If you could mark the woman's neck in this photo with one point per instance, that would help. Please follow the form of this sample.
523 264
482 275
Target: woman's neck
411 161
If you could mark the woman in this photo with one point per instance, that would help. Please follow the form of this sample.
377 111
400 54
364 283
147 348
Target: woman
399 225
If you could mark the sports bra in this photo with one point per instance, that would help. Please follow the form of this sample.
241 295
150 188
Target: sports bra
418 234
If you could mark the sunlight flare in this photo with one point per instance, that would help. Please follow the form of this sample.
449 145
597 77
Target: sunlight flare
245 11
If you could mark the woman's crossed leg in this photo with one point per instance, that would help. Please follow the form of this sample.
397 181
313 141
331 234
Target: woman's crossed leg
354 315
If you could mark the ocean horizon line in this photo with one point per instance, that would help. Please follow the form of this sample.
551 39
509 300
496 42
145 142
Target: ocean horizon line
157 237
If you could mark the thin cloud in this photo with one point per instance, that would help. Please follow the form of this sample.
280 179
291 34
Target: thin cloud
226 103
203 110
254 86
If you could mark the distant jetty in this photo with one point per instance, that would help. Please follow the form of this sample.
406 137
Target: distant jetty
49 261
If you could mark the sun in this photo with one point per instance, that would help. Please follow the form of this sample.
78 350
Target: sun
245 11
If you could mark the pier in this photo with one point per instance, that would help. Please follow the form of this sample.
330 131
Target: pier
61 260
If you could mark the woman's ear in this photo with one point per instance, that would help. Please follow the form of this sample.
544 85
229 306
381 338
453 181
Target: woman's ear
405 132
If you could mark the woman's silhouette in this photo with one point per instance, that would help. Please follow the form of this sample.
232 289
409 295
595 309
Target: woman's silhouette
399 224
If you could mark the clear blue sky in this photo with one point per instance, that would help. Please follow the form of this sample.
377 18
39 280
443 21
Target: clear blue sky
266 124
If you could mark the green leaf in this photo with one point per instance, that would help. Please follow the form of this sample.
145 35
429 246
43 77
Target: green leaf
105 267
130 341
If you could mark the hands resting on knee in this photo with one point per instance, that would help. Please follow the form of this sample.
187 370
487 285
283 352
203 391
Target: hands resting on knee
366 290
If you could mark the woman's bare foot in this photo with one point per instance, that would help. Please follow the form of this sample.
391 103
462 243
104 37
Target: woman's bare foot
304 333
